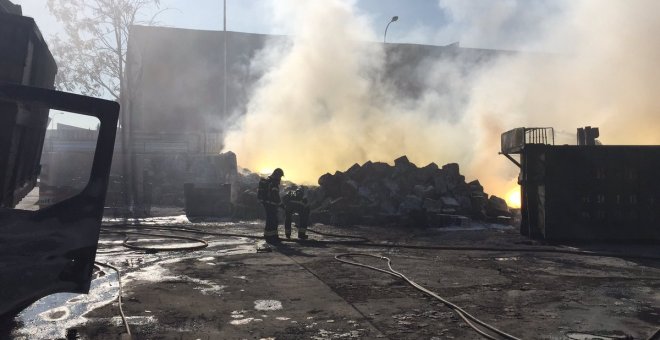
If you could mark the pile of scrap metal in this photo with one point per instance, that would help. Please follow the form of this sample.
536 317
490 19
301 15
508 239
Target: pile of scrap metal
378 193
246 204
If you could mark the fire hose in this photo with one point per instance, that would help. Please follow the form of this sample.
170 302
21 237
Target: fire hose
363 241
203 244
121 309
484 329
467 317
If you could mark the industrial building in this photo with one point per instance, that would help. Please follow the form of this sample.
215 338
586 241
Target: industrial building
175 110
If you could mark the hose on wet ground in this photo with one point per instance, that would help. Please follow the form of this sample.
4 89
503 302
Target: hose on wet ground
366 242
202 244
357 239
119 302
467 317
107 229
655 336
363 241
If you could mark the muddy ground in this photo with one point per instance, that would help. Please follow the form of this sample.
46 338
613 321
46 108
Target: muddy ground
299 291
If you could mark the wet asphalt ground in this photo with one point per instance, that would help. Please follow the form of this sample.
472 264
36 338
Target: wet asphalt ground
228 290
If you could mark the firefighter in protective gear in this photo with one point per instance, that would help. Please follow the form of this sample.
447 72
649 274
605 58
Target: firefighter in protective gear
296 203
271 201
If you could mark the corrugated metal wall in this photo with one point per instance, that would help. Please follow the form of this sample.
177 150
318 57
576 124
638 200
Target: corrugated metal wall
591 192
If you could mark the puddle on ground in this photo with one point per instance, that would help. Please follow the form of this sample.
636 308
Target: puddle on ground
474 227
324 334
588 336
56 314
134 320
51 316
211 287
237 250
157 273
267 305
176 220
512 258
238 314
245 321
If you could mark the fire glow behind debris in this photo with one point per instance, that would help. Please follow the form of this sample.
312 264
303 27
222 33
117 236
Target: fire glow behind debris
513 197
322 104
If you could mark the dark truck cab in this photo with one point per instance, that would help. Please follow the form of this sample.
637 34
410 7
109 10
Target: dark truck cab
52 249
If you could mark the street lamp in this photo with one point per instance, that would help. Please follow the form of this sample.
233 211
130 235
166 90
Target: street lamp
394 18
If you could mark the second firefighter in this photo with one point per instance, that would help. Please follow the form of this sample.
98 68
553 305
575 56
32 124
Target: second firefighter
296 203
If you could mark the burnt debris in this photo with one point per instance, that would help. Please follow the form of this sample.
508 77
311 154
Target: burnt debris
377 193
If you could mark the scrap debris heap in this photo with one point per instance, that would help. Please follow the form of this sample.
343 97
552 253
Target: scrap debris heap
246 204
376 193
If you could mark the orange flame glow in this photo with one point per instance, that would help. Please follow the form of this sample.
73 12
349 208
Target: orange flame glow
513 197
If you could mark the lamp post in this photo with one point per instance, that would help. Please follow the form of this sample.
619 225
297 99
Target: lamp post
394 18
224 61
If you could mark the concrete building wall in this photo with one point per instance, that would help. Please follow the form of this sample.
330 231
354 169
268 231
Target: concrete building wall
176 76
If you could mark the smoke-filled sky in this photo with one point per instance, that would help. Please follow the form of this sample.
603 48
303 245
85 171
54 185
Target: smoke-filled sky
478 23
420 21
321 105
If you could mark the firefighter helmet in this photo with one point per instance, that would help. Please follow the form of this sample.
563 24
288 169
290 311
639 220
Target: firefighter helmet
278 173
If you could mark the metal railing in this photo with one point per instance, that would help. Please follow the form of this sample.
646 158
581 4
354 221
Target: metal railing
539 135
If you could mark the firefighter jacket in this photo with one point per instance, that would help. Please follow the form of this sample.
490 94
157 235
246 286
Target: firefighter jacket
295 199
273 193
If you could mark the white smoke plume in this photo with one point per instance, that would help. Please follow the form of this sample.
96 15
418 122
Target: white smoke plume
602 71
323 103
321 106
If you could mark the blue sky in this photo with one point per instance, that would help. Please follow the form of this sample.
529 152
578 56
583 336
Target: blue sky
254 16
476 23
499 24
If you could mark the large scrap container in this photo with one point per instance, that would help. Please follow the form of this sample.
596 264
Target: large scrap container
586 192
591 192
208 199
26 60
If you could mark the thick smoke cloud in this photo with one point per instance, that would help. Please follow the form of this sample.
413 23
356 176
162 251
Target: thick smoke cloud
323 104
502 24
601 71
